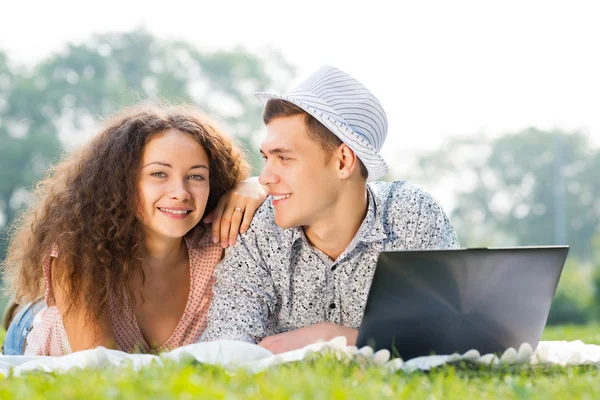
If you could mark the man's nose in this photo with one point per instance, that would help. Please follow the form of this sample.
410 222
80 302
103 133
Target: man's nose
267 175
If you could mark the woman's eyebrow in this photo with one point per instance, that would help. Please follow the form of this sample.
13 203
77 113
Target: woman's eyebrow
164 164
158 163
199 166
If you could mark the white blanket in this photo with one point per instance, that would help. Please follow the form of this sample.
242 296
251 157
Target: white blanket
234 354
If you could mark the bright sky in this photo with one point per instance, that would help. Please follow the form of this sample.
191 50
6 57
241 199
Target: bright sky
440 68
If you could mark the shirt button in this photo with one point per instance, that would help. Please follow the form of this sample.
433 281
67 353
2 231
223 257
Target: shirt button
332 306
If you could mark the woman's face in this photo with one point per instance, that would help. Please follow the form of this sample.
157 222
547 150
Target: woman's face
173 184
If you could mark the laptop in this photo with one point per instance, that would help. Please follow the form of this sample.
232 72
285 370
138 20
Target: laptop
427 302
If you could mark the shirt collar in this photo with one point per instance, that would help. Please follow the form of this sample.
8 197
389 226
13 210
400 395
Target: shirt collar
372 229
297 233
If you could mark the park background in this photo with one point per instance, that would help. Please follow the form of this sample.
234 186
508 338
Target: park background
493 108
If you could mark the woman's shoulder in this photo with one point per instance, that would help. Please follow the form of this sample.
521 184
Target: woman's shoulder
200 245
198 236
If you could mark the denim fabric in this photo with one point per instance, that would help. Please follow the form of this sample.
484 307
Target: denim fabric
14 341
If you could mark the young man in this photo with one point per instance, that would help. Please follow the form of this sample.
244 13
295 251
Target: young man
302 271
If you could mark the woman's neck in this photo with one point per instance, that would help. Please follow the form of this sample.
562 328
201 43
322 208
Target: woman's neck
161 253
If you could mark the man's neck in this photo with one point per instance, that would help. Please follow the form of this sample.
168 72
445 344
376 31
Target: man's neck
334 232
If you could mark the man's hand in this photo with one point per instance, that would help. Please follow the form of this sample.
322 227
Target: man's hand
299 338
235 210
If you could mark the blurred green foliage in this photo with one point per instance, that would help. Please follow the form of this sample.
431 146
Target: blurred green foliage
531 187
527 188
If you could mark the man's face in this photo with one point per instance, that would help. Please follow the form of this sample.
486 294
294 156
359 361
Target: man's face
301 178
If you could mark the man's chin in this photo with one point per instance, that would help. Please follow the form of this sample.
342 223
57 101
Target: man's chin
284 223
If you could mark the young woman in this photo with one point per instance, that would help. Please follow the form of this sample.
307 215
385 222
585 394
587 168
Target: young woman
114 252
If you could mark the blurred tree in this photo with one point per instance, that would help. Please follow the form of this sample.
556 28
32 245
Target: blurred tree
59 101
111 71
28 139
574 301
596 274
528 188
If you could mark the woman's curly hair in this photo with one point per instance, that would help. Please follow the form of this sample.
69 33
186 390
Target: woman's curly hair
86 206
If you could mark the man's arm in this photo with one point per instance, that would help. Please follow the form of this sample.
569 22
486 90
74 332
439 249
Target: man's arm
299 338
243 294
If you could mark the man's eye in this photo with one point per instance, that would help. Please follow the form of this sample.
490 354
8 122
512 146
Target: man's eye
282 158
158 174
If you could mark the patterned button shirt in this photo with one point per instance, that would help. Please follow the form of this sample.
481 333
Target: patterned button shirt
272 280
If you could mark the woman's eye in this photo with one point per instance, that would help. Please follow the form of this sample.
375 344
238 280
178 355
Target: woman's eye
158 174
196 177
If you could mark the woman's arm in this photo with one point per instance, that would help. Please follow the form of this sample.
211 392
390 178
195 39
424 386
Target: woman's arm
82 333
235 211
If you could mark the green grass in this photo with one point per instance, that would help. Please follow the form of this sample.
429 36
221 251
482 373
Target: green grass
321 378
589 334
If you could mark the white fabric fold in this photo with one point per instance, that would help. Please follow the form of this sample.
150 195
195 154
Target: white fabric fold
236 354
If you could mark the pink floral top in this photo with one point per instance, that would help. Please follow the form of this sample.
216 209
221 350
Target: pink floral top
49 338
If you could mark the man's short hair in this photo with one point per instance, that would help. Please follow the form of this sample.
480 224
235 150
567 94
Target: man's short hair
276 108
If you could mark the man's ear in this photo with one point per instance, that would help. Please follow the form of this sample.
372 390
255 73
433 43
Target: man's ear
347 162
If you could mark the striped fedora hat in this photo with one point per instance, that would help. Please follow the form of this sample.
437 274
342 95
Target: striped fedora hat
348 109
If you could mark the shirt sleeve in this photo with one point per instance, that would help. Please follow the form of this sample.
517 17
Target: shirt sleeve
419 221
243 294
